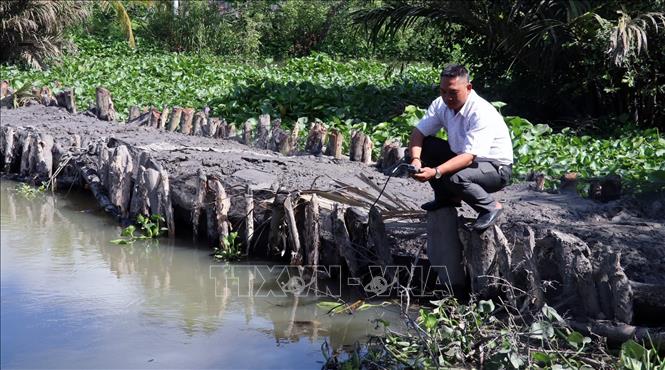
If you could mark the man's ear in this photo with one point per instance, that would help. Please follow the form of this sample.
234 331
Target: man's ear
469 86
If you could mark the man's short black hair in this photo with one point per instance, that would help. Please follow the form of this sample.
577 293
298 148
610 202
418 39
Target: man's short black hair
455 70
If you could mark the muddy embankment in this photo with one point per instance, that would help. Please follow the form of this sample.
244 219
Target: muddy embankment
306 203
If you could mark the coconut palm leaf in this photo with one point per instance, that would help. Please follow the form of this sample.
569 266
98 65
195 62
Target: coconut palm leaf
33 30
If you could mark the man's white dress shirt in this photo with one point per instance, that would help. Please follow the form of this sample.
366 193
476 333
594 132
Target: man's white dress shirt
477 128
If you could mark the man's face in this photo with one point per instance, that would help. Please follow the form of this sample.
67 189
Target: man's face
454 91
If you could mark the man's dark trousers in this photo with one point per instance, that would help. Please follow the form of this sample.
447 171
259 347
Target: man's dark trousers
471 184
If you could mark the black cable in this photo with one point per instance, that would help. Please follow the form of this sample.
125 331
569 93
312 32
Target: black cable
392 173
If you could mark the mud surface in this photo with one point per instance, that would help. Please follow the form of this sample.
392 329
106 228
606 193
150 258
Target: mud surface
632 224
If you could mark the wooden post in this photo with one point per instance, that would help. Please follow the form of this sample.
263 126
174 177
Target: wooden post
281 142
46 97
377 234
217 209
390 154
105 107
277 236
343 240
212 128
155 118
249 218
66 100
4 88
367 150
163 118
231 131
134 113
296 252
312 231
222 129
247 132
295 132
199 124
356 148
335 142
315 139
262 132
119 184
174 122
199 202
186 121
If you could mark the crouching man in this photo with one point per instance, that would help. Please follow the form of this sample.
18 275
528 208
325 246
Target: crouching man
477 158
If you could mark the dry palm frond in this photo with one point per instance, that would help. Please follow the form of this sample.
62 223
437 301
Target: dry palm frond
32 30
23 95
630 34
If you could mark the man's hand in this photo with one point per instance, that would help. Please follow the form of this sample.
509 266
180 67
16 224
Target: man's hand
425 174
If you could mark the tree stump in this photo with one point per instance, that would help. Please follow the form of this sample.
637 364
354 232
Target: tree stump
186 121
199 202
174 121
163 118
8 148
46 97
281 142
312 231
343 240
134 113
217 209
67 100
155 118
4 89
212 128
315 139
105 107
262 133
294 235
391 153
357 145
277 237
247 132
367 150
121 167
335 142
249 218
199 123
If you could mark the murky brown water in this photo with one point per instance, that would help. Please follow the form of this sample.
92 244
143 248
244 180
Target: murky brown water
71 299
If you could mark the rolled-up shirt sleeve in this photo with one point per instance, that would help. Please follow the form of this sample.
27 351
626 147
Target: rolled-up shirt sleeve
430 124
479 137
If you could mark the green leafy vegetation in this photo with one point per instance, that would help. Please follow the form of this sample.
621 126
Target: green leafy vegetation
317 86
636 155
30 192
230 249
484 335
355 95
150 228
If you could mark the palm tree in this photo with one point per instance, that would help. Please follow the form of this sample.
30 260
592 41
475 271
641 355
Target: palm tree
552 52
32 30
520 29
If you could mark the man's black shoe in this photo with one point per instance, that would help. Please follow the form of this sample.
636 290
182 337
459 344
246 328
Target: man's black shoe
436 204
486 220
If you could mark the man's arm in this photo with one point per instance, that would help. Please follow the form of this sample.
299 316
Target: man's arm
450 166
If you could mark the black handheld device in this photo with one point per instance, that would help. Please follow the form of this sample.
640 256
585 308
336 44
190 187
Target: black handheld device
412 169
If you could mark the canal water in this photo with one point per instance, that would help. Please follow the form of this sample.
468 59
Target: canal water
71 299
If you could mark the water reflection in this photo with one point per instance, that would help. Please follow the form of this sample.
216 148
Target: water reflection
101 305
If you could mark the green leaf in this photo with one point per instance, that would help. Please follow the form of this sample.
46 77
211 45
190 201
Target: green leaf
541 357
486 306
